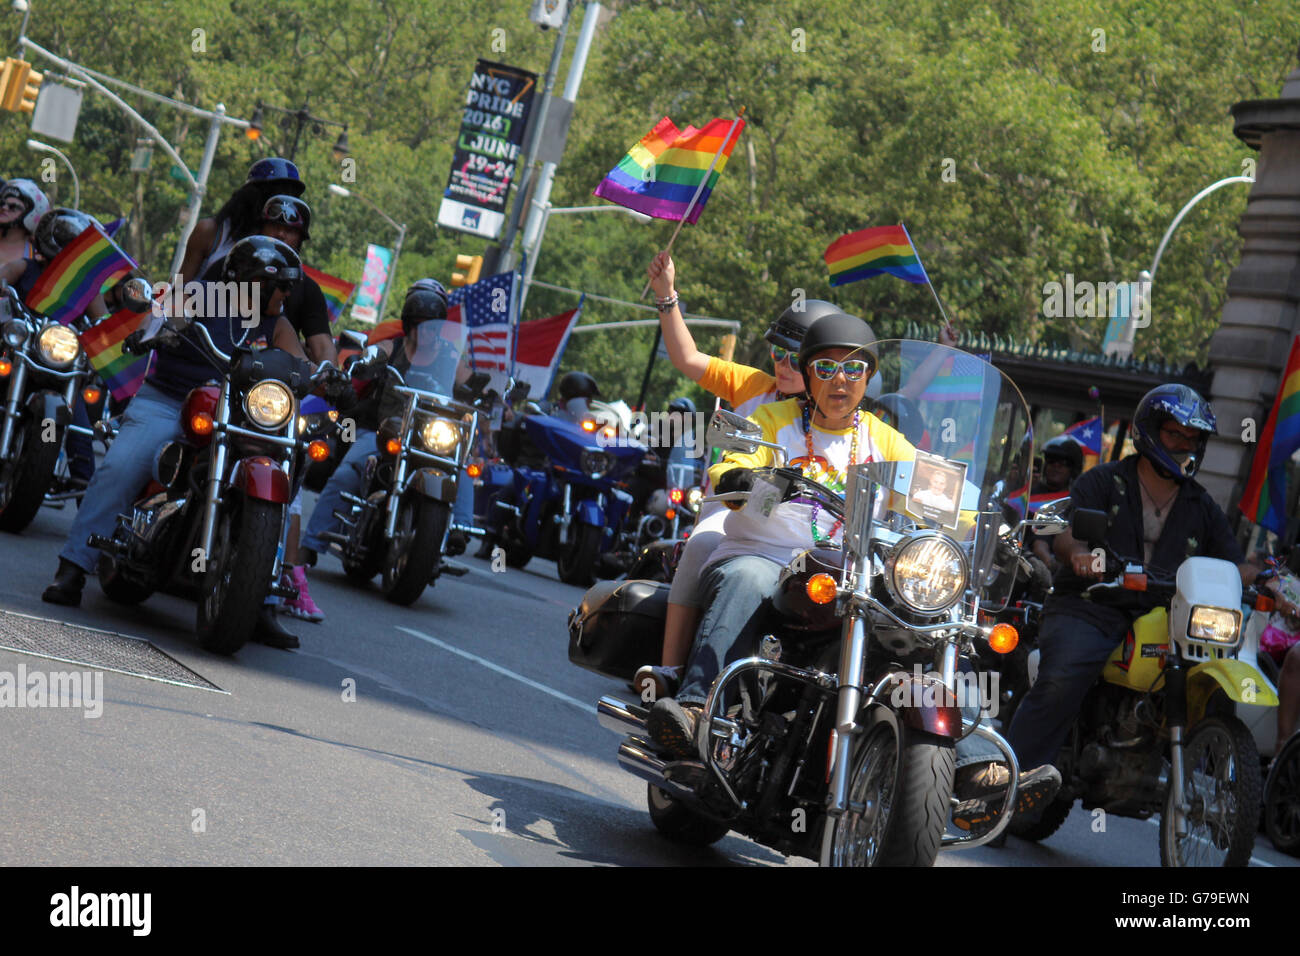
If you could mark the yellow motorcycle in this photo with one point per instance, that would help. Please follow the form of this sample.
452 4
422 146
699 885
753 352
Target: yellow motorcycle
1158 732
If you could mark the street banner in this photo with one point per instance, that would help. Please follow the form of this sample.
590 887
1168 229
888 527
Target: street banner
370 292
492 127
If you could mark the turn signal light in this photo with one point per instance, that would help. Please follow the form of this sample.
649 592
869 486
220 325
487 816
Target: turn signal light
393 446
1264 602
1135 582
474 470
588 424
821 588
318 451
1004 638
91 395
201 424
6 367
676 496
670 514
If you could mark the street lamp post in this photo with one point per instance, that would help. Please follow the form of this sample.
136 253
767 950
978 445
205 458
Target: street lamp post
547 211
338 190
76 184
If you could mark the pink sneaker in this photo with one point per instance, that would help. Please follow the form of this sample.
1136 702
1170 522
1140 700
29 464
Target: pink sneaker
304 608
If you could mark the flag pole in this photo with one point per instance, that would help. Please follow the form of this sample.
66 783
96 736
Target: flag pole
933 292
699 189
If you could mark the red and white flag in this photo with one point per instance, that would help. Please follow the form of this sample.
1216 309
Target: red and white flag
541 344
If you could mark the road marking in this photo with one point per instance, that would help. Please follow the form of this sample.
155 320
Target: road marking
586 708
1253 861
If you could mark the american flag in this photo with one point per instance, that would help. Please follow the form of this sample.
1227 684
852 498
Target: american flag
485 309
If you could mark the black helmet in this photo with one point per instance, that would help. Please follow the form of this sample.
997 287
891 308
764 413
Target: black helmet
280 172
578 385
1065 447
682 405
290 211
58 227
788 330
900 413
269 262
1180 404
426 300
837 331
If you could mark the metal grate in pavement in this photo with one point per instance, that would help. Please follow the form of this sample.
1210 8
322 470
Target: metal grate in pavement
103 650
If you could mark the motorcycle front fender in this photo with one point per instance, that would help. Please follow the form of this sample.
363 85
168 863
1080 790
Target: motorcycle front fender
925 704
431 484
49 406
1239 680
589 512
261 478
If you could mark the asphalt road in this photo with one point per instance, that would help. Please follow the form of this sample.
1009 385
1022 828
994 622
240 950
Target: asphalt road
453 732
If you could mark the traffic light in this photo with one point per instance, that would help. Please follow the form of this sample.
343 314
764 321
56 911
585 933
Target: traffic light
472 266
19 85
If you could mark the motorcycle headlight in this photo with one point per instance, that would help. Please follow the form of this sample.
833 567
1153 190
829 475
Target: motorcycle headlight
927 572
694 497
15 333
440 436
1214 624
593 463
269 404
58 345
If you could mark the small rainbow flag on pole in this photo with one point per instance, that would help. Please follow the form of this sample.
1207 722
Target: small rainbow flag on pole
122 373
1265 499
77 274
336 291
873 252
665 170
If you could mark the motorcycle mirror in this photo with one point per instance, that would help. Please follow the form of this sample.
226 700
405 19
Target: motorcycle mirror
1050 519
1089 526
731 432
133 293
354 338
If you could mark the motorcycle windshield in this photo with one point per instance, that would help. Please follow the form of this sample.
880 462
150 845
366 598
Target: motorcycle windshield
970 473
436 351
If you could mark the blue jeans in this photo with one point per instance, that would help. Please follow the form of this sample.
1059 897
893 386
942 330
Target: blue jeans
346 478
732 593
79 448
151 420
1072 653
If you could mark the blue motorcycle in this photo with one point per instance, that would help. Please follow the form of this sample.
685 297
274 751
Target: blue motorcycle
562 493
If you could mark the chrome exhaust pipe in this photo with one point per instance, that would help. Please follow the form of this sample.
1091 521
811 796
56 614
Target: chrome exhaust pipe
640 761
620 717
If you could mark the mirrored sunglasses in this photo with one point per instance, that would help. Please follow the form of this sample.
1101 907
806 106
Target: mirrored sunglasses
826 369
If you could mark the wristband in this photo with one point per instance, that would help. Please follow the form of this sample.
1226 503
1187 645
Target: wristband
667 305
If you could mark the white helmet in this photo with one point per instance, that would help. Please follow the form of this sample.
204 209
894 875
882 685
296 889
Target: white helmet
30 194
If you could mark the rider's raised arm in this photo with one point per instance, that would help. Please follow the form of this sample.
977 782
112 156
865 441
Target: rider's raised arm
678 341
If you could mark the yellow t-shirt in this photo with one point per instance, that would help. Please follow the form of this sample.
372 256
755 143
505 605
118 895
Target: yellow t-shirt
789 527
742 387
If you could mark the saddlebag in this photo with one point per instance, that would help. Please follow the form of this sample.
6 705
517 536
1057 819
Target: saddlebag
618 627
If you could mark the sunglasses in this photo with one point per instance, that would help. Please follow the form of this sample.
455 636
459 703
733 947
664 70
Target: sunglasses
1180 439
780 355
12 207
854 369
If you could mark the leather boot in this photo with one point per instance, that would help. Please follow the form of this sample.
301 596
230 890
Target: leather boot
271 632
68 582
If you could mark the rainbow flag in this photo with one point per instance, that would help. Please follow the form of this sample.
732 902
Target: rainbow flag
74 277
661 172
873 252
122 373
1264 501
336 291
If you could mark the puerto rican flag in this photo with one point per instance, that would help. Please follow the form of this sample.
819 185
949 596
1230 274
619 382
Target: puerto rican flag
1088 434
541 343
485 307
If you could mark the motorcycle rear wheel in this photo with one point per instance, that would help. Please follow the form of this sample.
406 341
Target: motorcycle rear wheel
576 564
895 818
1282 799
237 581
26 477
679 822
414 549
1221 784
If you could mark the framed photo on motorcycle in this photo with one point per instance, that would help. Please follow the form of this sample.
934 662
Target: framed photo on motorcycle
934 493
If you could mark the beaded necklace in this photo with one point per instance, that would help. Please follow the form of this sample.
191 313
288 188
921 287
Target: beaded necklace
832 478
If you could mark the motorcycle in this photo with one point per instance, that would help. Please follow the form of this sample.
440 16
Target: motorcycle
212 518
398 524
841 745
560 494
1157 733
45 367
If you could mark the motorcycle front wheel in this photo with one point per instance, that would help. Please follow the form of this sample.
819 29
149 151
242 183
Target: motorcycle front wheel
238 577
575 564
26 476
895 818
1282 799
1221 791
414 549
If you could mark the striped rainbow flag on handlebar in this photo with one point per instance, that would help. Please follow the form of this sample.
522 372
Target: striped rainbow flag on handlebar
122 372
77 274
